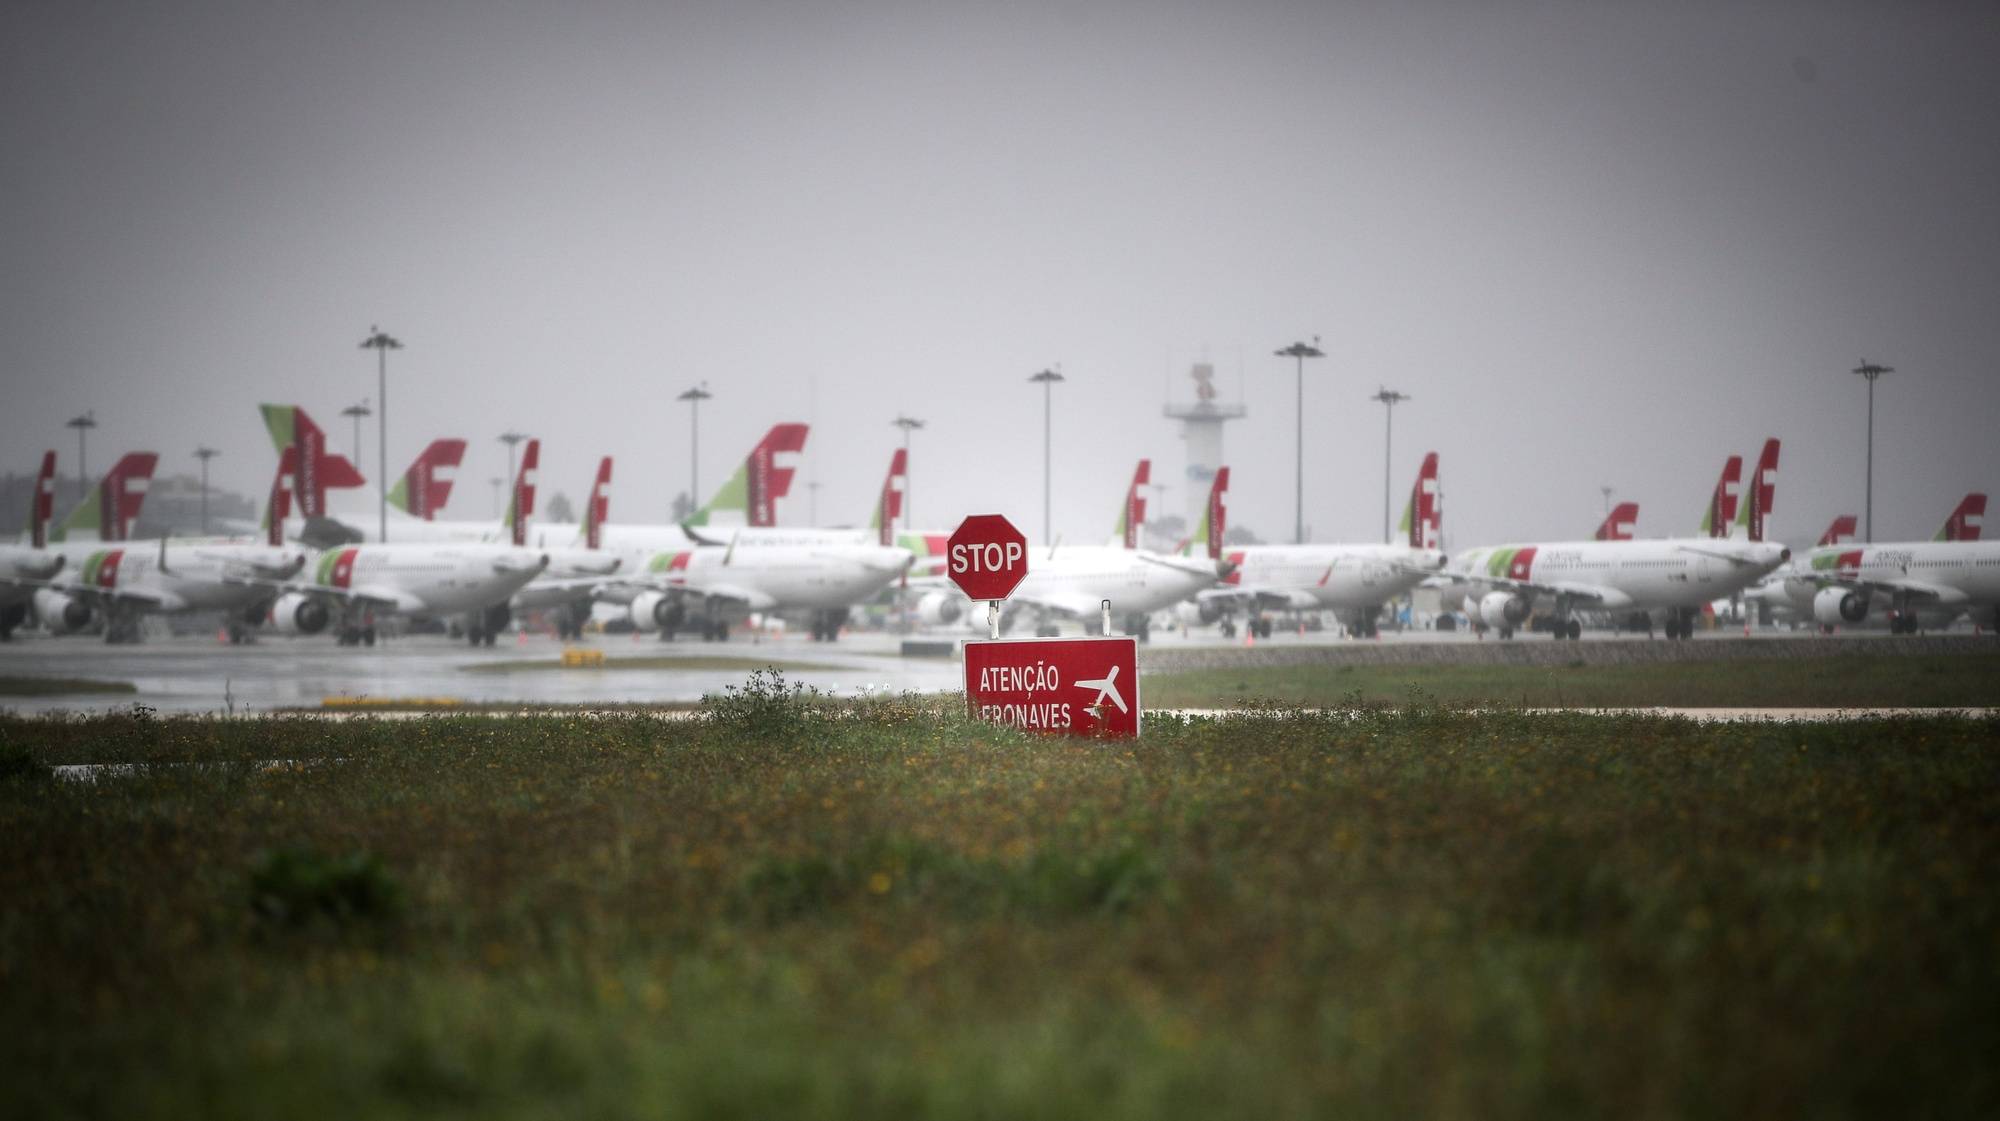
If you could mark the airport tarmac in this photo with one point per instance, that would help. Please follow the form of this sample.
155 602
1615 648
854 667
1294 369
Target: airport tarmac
202 674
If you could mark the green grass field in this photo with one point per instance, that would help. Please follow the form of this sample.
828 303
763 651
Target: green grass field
878 910
653 662
1879 680
30 686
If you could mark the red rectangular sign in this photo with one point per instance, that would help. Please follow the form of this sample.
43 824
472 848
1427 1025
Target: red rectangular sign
1058 686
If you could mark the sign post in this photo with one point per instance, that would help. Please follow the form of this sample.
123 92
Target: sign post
1055 686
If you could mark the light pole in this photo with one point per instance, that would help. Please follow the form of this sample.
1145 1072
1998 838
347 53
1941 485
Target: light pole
1871 371
511 438
1048 378
495 482
1607 500
812 501
694 397
355 413
82 424
1390 399
381 343
205 454
908 424
1300 352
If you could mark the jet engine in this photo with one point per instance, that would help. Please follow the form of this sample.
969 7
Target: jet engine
1833 606
299 614
60 612
1502 609
654 610
938 608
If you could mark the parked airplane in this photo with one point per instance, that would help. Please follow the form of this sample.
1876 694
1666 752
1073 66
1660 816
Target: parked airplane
1070 582
710 587
1354 581
714 573
106 514
1913 585
1502 586
26 568
574 574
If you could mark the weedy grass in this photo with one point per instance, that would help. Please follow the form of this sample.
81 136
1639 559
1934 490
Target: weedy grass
1857 681
792 907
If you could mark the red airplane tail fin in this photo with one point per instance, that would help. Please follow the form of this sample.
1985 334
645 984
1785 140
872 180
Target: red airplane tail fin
599 507
1842 529
1423 517
43 506
522 507
123 493
768 479
1133 518
280 506
889 505
1722 501
1218 513
1618 523
1763 490
1966 521
426 486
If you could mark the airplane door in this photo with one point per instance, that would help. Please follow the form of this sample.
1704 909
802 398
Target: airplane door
1703 570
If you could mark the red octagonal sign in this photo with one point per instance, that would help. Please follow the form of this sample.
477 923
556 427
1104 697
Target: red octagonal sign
986 557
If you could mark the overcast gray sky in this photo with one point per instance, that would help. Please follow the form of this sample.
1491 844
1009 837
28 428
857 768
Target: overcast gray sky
1599 243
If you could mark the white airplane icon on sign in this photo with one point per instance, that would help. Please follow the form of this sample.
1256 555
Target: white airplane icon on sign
1106 686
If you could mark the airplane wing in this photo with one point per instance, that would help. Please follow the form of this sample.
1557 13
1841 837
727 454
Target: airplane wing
1071 606
1596 595
1915 589
748 599
1717 554
145 599
1203 568
1292 599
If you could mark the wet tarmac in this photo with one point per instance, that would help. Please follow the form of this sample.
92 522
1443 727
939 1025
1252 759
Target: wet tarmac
204 675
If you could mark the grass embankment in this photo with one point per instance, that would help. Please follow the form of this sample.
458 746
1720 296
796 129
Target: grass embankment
1859 681
882 911
29 686
654 662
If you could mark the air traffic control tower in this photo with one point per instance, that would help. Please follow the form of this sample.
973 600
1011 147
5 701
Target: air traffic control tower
1201 427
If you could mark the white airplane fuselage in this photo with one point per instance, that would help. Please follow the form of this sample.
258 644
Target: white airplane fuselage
1073 581
429 579
1353 577
1933 579
197 577
1638 575
823 577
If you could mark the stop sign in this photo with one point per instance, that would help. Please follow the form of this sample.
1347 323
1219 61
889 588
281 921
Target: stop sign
986 557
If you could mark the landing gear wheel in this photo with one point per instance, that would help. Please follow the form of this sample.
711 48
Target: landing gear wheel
1575 630
1227 628
368 637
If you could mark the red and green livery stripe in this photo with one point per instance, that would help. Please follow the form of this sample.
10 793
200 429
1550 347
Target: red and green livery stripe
336 569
